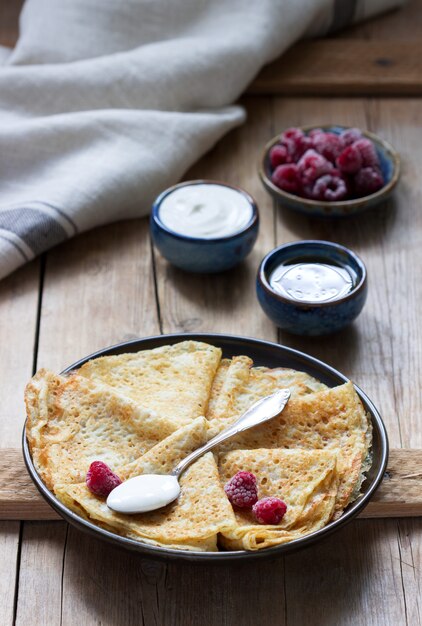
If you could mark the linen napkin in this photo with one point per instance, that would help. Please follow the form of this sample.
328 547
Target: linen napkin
104 104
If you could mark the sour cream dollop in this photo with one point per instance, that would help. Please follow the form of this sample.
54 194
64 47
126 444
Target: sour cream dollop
146 492
206 210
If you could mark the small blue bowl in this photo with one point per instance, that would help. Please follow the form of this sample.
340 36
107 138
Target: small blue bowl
308 317
197 254
390 168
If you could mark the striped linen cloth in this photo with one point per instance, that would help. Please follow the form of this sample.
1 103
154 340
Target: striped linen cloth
105 103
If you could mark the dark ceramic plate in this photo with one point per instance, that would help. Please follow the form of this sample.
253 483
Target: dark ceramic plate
263 353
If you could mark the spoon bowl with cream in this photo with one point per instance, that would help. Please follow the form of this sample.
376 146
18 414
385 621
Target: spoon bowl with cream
204 226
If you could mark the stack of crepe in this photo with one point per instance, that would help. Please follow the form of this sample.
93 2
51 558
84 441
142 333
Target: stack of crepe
144 412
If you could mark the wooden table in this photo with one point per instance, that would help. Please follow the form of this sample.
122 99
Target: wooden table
109 285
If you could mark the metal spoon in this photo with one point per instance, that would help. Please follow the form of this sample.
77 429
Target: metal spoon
148 492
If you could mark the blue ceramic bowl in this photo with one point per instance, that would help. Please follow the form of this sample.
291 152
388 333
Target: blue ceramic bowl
390 167
197 254
312 318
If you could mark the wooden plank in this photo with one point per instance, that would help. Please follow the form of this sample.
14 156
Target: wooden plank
18 315
222 303
380 352
9 544
344 67
399 495
354 577
19 498
366 355
98 290
403 23
335 66
43 547
9 18
410 554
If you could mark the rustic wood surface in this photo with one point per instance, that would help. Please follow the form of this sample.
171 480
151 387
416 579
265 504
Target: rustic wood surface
399 495
108 285
325 67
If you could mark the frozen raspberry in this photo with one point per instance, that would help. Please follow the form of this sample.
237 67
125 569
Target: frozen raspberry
297 147
349 136
279 156
350 160
296 143
241 489
327 144
313 165
291 134
269 510
368 152
331 188
367 181
287 177
100 480
315 131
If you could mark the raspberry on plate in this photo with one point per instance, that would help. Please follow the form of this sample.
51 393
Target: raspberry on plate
350 160
368 180
242 490
100 480
287 177
313 165
269 510
329 187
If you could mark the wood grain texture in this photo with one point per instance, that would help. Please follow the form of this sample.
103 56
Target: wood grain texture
98 290
9 21
399 495
40 574
222 303
380 352
18 315
355 577
9 555
344 67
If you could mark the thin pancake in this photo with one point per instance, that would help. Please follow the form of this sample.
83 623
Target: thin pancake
190 523
73 421
174 381
331 419
305 480
238 385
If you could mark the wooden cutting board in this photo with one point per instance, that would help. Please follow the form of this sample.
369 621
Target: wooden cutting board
399 495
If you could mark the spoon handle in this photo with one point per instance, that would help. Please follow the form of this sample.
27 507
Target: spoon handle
258 413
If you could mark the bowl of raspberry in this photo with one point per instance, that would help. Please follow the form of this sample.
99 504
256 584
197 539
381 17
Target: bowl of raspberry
330 171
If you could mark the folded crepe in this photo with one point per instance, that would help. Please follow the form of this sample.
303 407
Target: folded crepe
192 522
332 419
306 480
237 385
73 421
175 381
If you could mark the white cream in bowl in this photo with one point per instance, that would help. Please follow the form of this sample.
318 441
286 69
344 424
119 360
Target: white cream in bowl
206 210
